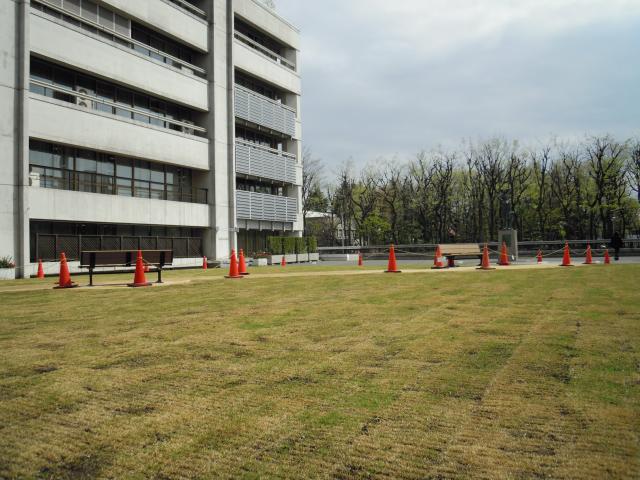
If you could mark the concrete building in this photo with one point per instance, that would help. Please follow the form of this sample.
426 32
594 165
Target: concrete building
147 124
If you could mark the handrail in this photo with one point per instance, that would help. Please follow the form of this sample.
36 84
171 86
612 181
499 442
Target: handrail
267 149
264 50
521 244
264 97
70 181
129 40
190 7
96 99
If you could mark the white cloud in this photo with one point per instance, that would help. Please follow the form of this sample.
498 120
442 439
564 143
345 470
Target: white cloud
396 76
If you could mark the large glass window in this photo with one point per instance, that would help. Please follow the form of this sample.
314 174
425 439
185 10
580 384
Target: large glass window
89 171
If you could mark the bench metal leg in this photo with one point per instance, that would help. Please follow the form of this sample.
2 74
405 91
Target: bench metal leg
451 262
159 276
91 277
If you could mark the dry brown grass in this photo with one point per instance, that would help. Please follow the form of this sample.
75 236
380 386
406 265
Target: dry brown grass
516 374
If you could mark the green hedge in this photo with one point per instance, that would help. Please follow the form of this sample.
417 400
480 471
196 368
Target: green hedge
292 245
289 244
301 245
312 244
274 244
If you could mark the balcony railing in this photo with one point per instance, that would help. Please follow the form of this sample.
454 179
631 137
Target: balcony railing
261 110
263 162
261 206
94 102
271 55
149 51
63 179
191 8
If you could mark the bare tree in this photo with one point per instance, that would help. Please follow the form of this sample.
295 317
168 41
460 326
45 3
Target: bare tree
365 198
490 164
421 170
541 162
311 177
633 168
443 164
606 169
390 186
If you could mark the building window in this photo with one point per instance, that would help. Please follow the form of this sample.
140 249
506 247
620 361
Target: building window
69 168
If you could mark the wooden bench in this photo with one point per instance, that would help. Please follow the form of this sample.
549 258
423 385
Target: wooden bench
124 258
460 250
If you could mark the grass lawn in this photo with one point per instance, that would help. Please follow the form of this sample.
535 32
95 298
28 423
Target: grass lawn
504 374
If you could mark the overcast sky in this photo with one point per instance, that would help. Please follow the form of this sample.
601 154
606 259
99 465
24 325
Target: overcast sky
391 77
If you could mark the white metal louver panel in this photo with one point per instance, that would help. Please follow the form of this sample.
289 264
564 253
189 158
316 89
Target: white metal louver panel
243 159
290 123
243 204
242 104
260 206
256 108
263 162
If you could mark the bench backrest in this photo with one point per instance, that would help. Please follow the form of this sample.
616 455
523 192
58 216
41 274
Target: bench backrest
125 258
460 249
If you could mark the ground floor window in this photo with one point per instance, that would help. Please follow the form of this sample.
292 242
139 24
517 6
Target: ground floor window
49 239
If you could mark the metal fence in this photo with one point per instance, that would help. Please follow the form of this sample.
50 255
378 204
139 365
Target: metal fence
631 247
48 247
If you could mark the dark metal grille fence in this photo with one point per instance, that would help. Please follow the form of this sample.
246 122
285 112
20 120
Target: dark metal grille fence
48 247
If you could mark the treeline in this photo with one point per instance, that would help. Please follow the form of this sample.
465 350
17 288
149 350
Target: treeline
555 191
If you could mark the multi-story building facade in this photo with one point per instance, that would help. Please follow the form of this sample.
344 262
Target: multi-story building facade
147 124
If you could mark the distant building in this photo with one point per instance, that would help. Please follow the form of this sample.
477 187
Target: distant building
329 231
147 124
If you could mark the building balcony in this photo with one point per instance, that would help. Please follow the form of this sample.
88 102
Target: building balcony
81 126
75 206
259 65
269 22
263 50
263 111
123 61
178 18
264 207
266 163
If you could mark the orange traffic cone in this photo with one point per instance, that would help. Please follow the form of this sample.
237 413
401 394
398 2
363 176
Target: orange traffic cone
589 257
360 262
504 256
242 268
233 267
139 280
607 258
393 266
64 280
437 259
486 262
283 262
566 257
40 269
205 265
539 256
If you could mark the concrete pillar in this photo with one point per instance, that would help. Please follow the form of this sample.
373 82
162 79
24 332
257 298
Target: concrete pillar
221 237
14 141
